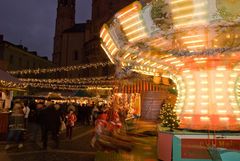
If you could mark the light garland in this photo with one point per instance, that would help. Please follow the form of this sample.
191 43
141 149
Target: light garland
6 84
86 80
59 69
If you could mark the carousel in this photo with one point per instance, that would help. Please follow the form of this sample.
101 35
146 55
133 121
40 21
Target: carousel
195 43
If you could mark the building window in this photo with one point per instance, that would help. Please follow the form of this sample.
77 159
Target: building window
75 55
11 59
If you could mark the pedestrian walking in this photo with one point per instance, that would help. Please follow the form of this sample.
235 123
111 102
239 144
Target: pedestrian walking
71 119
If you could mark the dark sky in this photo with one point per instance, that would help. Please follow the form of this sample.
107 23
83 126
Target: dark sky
32 22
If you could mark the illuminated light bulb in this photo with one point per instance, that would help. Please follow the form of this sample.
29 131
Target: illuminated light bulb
236 112
175 62
230 89
198 22
220 104
191 83
218 89
105 37
204 103
204 118
204 82
132 25
191 97
135 31
192 90
222 111
189 76
108 42
204 89
114 51
102 32
138 37
193 41
160 66
223 118
153 64
201 62
187 117
188 7
233 75
179 65
130 18
191 36
190 15
186 71
205 97
146 62
204 111
189 111
165 68
219 97
223 68
231 97
190 103
195 46
234 104
139 60
178 111
126 55
107 53
228 36
126 12
202 58
218 82
170 59
176 1
236 69
111 46
220 75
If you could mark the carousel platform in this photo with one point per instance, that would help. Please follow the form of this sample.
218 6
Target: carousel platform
143 136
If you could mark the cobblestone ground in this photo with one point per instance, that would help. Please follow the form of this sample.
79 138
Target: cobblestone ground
77 149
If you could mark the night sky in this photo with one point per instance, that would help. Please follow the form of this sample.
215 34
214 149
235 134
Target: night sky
32 22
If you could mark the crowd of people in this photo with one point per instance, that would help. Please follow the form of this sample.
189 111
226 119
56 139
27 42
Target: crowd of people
47 117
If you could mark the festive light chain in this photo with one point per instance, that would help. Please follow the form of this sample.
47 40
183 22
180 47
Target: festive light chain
69 87
86 80
59 69
6 84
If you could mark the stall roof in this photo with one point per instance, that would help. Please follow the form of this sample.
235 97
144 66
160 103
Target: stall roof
7 77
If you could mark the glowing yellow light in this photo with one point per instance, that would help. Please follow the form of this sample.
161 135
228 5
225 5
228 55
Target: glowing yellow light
126 55
219 97
191 83
238 119
191 23
219 75
220 104
218 82
135 31
223 118
130 18
236 112
179 65
192 90
189 111
177 1
234 104
222 111
191 36
204 103
218 89
191 97
153 64
195 46
228 36
160 66
204 118
188 7
203 75
175 62
128 11
139 60
107 53
146 62
186 71
138 37
189 76
192 42
204 82
204 111
233 75
236 69
114 51
170 59
102 32
221 68
132 25
205 97
188 117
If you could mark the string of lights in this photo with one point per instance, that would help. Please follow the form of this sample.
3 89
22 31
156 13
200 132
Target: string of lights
59 69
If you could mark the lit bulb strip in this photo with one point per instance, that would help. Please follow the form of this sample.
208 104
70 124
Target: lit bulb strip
190 15
128 11
130 18
107 53
135 31
195 46
126 55
191 36
194 41
138 37
199 22
178 1
132 25
188 7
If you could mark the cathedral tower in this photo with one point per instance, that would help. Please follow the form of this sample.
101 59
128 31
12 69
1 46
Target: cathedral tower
65 20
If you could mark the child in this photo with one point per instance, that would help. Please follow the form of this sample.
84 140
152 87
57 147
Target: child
71 119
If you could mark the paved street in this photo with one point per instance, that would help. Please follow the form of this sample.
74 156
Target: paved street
77 149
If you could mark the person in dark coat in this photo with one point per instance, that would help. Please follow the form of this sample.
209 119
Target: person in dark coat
50 118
